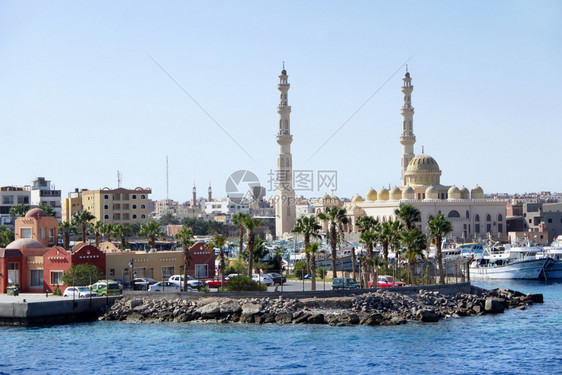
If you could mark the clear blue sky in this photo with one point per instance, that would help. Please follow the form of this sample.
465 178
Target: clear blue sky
80 98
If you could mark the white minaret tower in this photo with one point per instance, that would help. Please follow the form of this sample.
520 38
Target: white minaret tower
407 139
284 196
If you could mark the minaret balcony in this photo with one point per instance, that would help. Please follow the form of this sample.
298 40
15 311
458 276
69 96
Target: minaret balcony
283 108
408 139
284 138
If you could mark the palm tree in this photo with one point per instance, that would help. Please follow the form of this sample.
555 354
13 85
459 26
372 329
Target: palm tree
151 231
384 236
66 229
219 241
97 228
108 231
438 227
368 238
185 235
81 219
19 210
396 227
278 252
409 215
122 231
312 250
309 227
48 210
251 225
415 242
335 216
238 219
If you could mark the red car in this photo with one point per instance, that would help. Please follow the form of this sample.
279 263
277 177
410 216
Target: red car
215 283
386 281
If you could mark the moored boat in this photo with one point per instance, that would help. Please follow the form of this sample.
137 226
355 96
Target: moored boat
510 263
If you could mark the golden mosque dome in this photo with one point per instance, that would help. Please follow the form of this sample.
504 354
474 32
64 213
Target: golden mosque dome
382 194
422 170
465 194
371 195
477 192
335 201
453 190
357 198
395 193
408 192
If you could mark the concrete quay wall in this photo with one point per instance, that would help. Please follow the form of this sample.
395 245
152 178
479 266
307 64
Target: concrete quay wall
53 312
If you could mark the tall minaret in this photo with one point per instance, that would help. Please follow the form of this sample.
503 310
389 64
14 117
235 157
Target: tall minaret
407 139
284 196
194 202
210 192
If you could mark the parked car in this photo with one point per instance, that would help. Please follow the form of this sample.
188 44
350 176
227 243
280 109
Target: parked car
124 284
228 277
106 288
215 283
277 278
79 292
142 283
345 283
165 286
262 278
386 281
191 282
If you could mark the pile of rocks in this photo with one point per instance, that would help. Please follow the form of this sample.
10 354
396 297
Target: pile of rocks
381 307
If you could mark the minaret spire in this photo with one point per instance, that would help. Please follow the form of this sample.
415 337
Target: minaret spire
407 139
285 195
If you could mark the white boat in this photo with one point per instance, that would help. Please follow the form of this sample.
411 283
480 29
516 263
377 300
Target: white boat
553 269
509 263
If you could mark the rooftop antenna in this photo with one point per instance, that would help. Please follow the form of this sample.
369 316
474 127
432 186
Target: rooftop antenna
167 181
118 179
422 149
406 68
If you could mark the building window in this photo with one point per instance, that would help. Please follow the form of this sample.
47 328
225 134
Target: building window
106 217
454 213
143 197
106 196
488 217
134 206
112 272
56 277
36 278
488 228
201 271
500 227
106 207
42 233
476 228
467 214
550 220
167 272
134 216
8 199
25 232
143 206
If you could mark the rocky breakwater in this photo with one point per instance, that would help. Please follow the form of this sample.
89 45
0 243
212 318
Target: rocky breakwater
381 307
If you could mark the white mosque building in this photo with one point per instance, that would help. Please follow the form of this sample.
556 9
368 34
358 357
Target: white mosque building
472 215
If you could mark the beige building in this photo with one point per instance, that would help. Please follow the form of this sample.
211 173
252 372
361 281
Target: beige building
158 265
115 206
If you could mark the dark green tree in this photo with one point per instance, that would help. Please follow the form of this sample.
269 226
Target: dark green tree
81 275
19 210
335 216
6 236
438 227
81 219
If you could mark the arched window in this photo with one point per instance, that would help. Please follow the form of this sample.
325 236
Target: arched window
477 218
106 217
453 213
500 223
500 218
134 216
488 217
143 206
106 206
467 214
143 196
106 196
134 196
143 216
134 206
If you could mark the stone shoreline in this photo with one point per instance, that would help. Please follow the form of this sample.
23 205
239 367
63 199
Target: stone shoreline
380 307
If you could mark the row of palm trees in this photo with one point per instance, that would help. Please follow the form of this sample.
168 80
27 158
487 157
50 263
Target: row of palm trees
82 223
401 236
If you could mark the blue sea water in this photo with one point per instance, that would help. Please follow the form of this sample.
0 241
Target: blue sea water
516 342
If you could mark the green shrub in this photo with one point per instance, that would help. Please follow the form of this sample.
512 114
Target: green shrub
236 266
244 284
57 291
321 272
300 269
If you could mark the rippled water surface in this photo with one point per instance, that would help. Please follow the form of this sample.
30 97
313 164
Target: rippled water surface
522 342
